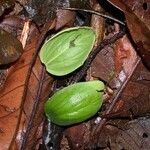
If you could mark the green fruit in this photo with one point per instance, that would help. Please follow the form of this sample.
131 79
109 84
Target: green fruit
75 103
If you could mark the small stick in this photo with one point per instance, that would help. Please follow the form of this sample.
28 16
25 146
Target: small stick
97 13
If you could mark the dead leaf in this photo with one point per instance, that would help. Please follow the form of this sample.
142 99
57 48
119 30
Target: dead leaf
3 76
125 56
124 134
138 21
98 24
116 134
11 48
77 136
42 11
5 5
134 135
134 101
21 99
79 3
65 18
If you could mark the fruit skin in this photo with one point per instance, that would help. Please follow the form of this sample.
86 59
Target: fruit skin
67 50
75 103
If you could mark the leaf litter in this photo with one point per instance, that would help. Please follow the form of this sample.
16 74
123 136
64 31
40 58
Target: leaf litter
25 86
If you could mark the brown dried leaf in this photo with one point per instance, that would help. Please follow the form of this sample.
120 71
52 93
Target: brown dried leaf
127 134
77 136
3 76
116 134
138 21
21 99
42 11
134 135
5 5
10 48
65 18
98 24
135 101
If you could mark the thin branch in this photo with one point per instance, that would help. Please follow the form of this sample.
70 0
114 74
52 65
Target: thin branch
96 13
34 109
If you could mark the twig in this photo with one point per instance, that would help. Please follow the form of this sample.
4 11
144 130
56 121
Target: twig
36 102
96 13
92 56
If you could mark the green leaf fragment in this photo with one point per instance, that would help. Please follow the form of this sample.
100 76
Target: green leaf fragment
67 50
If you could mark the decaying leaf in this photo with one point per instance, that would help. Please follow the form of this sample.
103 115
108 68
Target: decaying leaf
12 24
138 21
125 134
10 48
3 76
134 101
42 11
98 24
65 18
21 99
5 4
78 136
79 3
134 135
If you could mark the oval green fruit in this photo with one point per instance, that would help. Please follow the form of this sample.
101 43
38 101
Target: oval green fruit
75 103
67 50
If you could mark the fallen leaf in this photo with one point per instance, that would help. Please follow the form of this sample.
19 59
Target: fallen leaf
3 76
134 135
42 11
138 22
124 134
98 24
65 18
11 48
78 135
22 98
127 134
5 5
134 101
